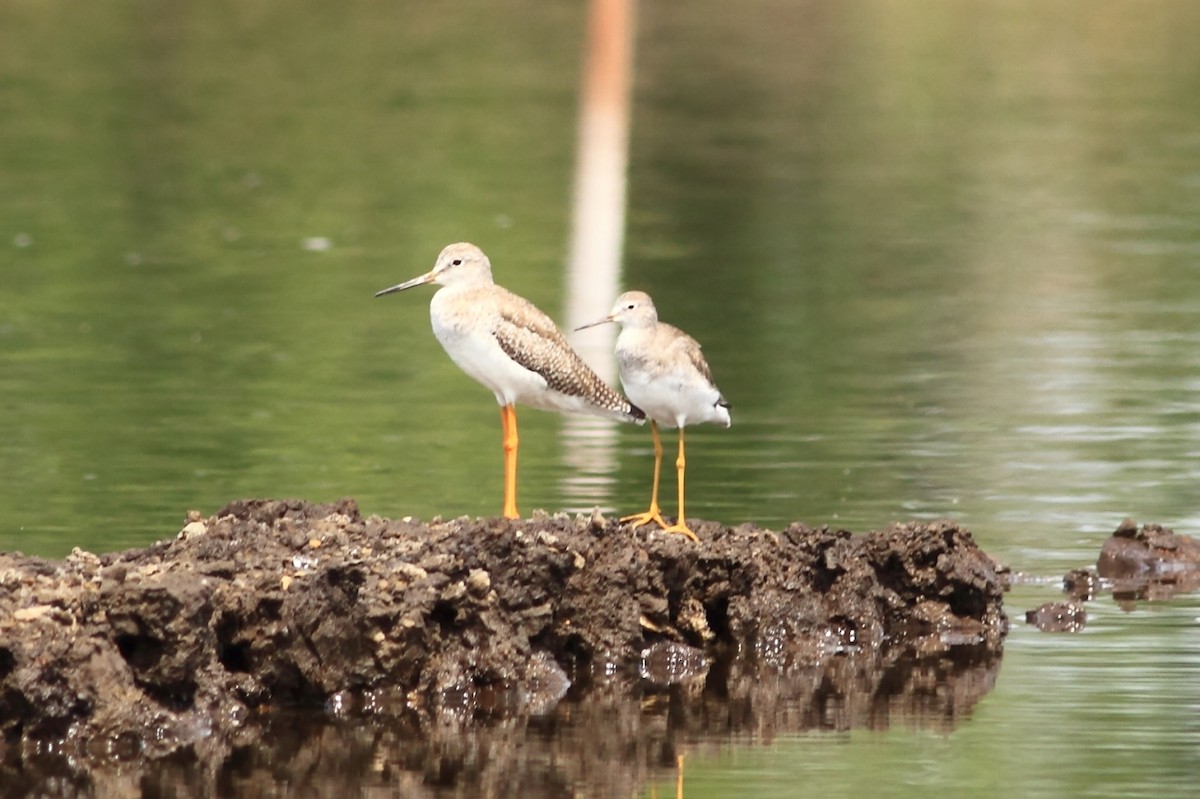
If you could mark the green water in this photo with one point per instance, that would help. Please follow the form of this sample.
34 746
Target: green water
943 257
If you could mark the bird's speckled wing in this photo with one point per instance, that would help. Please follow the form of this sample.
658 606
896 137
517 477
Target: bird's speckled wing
531 339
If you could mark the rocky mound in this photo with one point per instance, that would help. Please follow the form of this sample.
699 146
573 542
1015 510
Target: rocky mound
271 603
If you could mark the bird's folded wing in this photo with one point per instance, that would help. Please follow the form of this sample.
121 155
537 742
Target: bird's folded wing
533 341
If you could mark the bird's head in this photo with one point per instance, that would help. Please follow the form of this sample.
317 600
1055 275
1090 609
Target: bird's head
633 308
456 263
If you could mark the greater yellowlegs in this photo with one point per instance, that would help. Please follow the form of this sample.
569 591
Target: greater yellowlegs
664 372
512 348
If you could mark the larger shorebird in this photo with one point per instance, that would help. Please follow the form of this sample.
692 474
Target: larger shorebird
663 371
512 348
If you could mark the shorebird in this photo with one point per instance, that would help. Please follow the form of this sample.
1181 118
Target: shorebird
663 371
507 344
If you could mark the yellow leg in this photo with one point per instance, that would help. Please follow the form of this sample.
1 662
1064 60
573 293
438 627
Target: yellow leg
508 423
654 514
680 525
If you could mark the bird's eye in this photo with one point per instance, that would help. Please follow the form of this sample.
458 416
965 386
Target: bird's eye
456 262
629 307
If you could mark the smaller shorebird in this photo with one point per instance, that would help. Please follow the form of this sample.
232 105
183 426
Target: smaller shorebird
512 348
663 371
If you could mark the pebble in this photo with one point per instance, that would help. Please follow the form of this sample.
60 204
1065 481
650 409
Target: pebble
32 613
479 582
116 572
411 571
193 530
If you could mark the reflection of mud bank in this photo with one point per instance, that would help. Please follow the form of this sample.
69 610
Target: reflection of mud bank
273 603
608 739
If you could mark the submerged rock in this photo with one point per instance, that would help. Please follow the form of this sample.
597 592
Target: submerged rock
271 603
1151 562
1081 584
1058 617
1151 550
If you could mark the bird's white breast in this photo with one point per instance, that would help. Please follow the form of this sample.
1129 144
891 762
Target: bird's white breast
668 388
464 320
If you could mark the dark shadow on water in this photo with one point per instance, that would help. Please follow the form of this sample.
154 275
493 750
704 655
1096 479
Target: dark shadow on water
610 736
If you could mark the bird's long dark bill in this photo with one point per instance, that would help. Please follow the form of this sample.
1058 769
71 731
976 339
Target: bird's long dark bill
416 281
603 321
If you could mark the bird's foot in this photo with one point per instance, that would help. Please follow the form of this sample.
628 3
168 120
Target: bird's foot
682 529
638 519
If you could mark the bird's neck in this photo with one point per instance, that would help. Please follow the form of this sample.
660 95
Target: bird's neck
633 335
468 283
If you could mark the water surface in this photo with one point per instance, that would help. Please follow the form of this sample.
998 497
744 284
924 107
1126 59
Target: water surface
944 260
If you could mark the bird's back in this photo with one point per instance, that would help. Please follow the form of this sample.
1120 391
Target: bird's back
665 374
507 343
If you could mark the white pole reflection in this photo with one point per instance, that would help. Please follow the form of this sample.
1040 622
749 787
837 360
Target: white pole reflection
597 238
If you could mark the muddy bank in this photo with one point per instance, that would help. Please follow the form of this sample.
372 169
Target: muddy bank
270 604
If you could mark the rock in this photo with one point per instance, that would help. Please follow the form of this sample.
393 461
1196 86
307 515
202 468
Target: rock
1058 617
1149 563
193 529
479 582
1126 529
32 613
1081 584
1151 550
